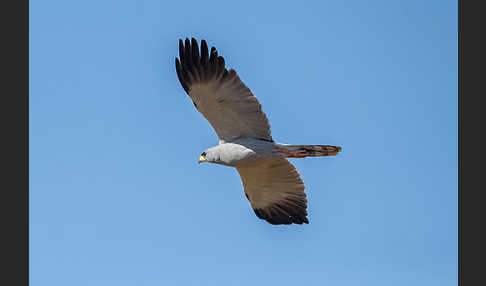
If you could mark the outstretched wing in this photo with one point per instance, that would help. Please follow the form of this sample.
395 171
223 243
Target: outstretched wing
219 94
275 191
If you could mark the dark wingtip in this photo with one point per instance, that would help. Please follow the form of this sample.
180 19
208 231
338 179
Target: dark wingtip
214 52
196 64
258 214
195 52
180 75
283 216
187 51
204 54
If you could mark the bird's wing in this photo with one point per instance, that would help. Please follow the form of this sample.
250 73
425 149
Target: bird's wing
275 191
219 94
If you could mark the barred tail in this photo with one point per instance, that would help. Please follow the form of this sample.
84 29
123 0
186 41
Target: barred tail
313 150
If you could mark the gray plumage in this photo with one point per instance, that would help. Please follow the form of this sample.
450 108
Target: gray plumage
271 183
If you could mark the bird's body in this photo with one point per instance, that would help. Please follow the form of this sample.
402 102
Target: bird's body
244 152
271 183
249 151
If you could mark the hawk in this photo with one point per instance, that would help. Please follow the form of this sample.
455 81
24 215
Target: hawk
271 183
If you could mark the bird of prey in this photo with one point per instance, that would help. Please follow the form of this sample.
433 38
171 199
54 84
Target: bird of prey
271 183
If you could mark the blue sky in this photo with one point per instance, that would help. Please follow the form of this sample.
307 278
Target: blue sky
117 196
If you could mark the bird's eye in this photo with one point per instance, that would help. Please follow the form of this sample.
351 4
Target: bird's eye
203 154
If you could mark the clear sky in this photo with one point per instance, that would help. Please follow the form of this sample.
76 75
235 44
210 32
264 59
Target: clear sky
117 196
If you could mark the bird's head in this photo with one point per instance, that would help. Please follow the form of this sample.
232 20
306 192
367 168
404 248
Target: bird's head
209 155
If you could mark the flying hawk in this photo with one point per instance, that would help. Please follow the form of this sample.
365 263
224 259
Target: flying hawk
270 182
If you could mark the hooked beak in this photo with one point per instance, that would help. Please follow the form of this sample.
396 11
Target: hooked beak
202 159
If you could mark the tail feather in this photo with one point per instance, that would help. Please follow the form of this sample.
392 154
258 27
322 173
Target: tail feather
314 150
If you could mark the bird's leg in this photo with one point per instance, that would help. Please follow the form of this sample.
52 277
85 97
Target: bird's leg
293 154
